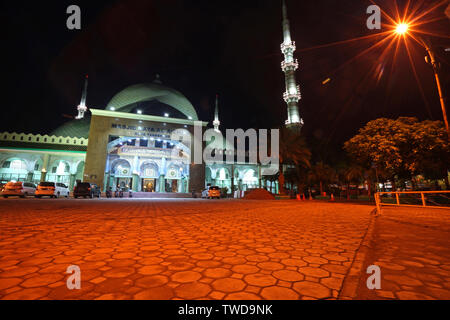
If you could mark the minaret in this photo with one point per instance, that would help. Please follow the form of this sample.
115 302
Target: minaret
82 107
216 121
289 65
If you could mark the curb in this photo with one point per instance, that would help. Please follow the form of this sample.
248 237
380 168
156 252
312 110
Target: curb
351 280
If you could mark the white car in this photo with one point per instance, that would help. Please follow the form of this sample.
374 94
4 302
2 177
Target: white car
52 190
18 189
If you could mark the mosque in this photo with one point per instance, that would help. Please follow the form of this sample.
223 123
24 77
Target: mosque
129 144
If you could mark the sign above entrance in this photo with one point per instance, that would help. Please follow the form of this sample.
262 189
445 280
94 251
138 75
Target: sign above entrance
148 152
143 131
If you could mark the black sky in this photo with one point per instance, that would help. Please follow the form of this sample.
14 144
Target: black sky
204 47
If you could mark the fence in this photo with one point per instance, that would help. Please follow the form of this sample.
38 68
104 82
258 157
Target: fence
429 199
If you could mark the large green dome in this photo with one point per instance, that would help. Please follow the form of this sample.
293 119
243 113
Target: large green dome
125 101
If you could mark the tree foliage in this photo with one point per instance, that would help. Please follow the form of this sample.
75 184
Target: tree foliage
321 173
404 147
295 153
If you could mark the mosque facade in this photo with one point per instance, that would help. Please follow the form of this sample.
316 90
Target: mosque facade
136 143
124 147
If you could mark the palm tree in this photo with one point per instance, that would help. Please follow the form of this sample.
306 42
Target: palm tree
293 152
355 174
321 173
340 169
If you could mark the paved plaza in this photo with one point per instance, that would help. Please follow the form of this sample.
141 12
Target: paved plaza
412 248
186 249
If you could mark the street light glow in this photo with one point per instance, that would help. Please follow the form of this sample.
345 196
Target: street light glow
402 28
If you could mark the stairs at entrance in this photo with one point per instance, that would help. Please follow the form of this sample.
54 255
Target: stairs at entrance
157 195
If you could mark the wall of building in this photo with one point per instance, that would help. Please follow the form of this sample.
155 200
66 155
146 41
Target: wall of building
36 158
98 170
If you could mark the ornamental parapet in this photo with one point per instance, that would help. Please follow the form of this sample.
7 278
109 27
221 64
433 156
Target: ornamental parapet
288 47
289 66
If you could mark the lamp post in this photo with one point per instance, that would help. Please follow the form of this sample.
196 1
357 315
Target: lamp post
431 59
402 29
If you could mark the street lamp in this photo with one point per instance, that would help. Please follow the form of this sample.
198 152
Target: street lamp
402 29
431 59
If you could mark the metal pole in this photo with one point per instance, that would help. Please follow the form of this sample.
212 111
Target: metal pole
435 66
377 201
378 182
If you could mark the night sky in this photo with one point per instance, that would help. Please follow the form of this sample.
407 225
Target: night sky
204 47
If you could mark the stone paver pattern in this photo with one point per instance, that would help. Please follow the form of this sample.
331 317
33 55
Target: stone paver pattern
412 248
178 249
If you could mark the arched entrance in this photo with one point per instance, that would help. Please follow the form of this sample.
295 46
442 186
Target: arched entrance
149 174
13 169
173 178
121 175
223 178
250 179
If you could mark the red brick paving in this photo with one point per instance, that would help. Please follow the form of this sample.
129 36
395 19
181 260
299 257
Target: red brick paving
179 249
412 248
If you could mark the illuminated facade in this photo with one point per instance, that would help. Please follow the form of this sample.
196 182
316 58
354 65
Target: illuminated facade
136 143
35 158
129 145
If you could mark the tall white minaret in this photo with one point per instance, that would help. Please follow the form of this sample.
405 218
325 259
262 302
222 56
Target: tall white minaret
216 121
289 65
82 107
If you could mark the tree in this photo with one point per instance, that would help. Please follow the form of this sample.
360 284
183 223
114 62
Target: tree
293 153
297 176
354 174
403 148
433 150
321 173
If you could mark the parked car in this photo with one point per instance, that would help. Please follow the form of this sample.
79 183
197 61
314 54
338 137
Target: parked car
86 190
211 192
19 189
52 190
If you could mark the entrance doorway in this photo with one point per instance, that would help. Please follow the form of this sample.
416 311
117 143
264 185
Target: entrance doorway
172 185
124 184
148 185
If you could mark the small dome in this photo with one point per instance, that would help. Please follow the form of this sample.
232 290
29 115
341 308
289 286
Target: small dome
74 128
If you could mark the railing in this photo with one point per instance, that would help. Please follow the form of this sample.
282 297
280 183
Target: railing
429 199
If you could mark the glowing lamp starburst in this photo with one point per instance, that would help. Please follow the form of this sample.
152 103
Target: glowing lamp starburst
402 28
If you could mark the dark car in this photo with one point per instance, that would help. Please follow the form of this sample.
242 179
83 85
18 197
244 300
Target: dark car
86 190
